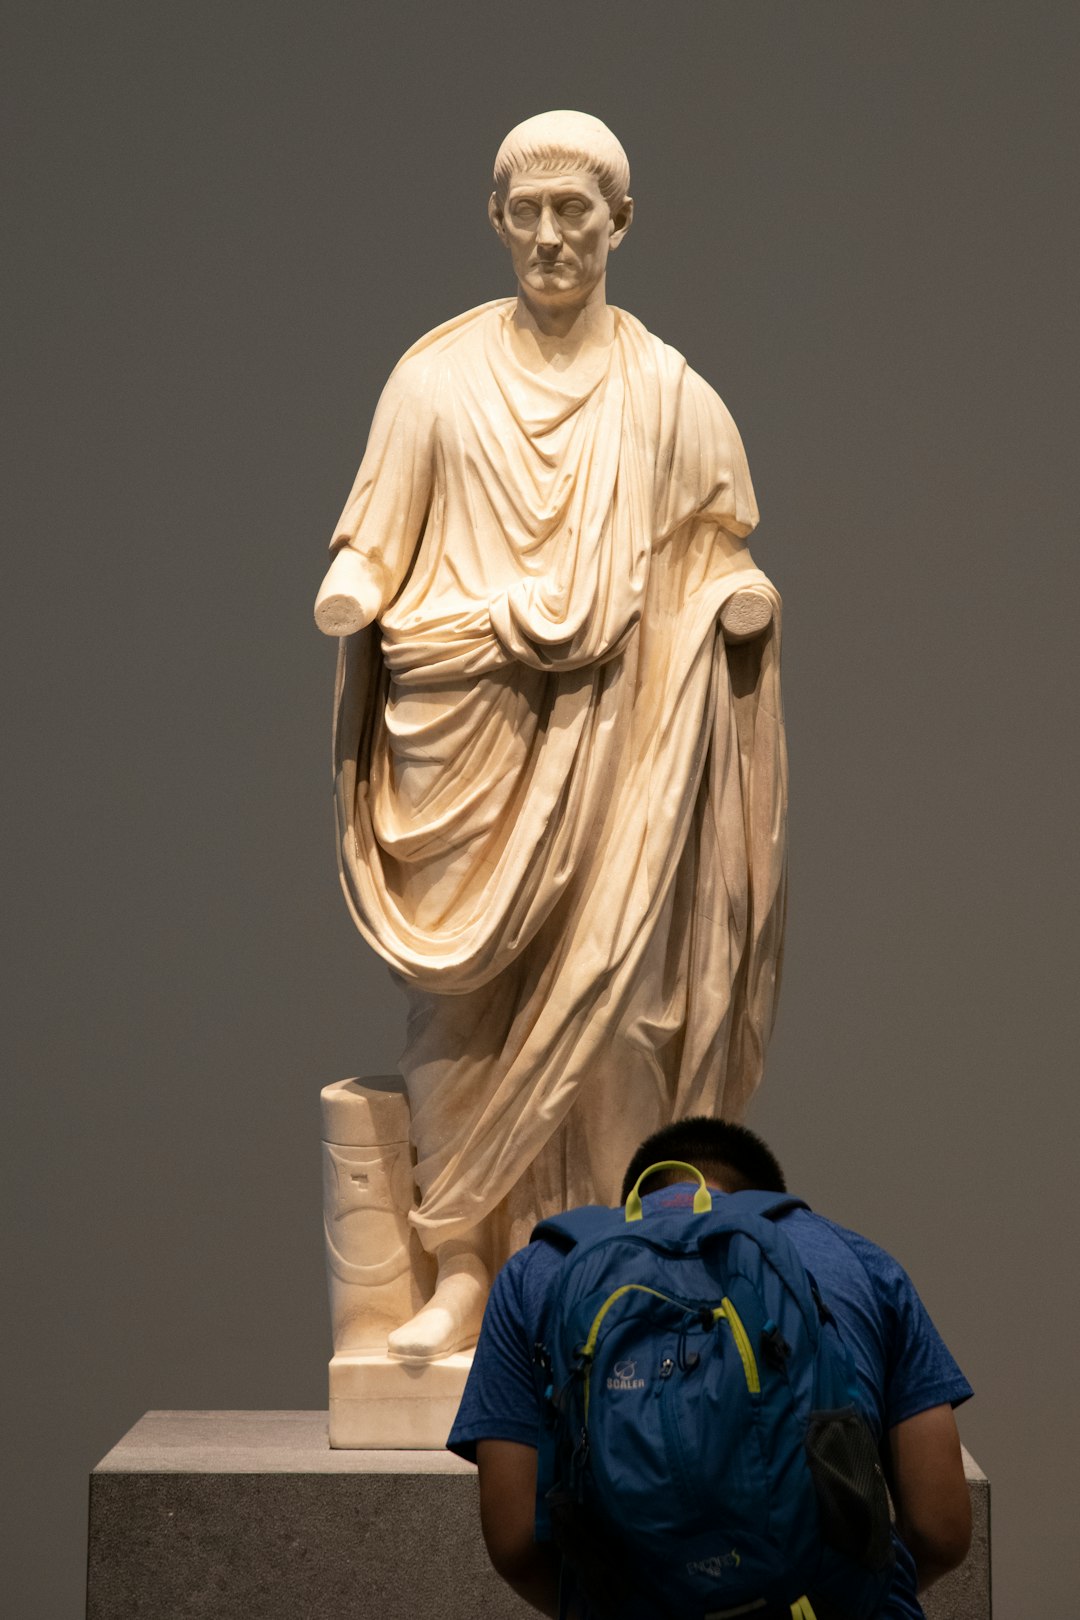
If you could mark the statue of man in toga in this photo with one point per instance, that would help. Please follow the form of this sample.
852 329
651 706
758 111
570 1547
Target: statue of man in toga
559 749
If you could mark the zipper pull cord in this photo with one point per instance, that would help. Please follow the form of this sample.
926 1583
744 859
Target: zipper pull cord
705 1320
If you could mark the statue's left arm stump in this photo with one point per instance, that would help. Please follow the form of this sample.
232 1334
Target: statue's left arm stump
252 1516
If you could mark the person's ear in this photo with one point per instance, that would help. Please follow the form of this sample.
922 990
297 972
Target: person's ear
621 221
495 215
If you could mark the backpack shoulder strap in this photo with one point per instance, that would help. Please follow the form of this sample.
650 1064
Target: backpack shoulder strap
760 1215
576 1226
771 1205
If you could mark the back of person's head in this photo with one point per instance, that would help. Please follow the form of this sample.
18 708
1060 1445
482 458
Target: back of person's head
730 1155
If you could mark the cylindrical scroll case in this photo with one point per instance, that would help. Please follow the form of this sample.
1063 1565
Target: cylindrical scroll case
378 1274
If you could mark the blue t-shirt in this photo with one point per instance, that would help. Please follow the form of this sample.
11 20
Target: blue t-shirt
902 1363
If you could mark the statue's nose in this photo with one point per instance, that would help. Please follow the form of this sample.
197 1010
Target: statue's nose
547 235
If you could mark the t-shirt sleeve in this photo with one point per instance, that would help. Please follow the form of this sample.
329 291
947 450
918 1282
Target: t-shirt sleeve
920 1370
501 1400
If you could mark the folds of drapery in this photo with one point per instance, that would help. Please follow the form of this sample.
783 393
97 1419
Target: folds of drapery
560 796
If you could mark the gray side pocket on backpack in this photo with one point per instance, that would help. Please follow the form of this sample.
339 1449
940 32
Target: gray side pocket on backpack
852 1499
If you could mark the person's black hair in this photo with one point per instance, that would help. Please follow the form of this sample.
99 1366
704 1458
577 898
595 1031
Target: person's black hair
726 1153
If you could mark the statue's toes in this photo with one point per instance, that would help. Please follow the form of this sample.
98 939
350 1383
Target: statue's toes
451 1322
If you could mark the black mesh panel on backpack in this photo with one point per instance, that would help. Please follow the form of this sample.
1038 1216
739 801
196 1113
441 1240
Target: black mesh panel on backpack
850 1485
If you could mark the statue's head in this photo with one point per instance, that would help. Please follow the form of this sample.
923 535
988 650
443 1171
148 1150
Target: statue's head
560 203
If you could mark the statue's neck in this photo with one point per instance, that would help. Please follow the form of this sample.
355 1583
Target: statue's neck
558 336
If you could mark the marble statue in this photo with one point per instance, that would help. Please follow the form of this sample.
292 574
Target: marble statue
559 747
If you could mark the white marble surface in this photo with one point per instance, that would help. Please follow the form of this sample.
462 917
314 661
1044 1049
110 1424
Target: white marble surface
376 1402
561 778
377 1272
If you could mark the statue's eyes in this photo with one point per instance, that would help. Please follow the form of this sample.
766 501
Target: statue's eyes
526 212
572 209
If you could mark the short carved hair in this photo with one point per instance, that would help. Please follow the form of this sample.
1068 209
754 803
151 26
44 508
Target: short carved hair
723 1151
565 140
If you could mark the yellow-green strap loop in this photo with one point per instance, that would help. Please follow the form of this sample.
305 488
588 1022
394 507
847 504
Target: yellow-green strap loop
702 1198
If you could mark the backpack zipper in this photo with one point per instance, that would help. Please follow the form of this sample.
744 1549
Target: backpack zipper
742 1343
589 1347
725 1310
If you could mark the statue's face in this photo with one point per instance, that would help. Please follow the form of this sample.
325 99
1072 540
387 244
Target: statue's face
559 231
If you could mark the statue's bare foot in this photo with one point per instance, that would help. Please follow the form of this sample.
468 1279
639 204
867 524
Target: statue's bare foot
451 1318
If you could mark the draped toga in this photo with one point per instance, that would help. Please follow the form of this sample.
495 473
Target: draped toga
560 795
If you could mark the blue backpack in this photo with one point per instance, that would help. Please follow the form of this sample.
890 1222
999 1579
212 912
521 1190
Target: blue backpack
703 1456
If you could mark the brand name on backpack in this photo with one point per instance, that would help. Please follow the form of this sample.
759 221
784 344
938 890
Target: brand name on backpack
717 1564
624 1376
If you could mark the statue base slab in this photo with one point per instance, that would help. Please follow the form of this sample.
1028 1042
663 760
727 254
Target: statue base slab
379 1404
254 1516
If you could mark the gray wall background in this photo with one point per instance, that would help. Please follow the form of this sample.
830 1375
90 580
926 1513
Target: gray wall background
226 223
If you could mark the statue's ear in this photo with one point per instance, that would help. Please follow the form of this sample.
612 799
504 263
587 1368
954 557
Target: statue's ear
621 220
495 215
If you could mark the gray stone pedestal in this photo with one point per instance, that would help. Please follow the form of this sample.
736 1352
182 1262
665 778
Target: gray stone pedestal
251 1516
